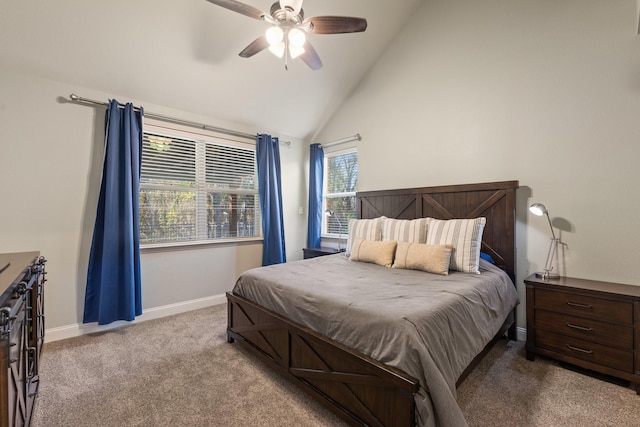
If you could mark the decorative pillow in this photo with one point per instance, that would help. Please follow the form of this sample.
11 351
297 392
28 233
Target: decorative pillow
487 257
465 235
405 230
367 229
376 252
429 258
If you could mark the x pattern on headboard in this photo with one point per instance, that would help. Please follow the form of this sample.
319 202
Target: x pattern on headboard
494 201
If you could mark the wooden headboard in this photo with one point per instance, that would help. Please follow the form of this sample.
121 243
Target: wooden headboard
495 201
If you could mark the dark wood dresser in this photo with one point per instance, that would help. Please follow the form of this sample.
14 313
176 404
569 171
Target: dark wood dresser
590 324
22 276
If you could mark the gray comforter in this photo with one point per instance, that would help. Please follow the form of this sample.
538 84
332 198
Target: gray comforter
427 325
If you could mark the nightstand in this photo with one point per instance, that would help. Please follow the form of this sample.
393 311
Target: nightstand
590 324
321 251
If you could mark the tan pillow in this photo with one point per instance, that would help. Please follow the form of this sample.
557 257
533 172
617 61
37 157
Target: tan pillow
376 252
429 258
367 229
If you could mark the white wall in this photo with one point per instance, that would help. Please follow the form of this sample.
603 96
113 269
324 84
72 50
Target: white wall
544 92
50 169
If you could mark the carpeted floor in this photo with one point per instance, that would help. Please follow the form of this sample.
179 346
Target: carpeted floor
180 371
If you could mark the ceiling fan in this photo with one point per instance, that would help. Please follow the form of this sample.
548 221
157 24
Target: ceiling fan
286 36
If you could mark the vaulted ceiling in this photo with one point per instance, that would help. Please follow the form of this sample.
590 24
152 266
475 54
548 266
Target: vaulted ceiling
183 54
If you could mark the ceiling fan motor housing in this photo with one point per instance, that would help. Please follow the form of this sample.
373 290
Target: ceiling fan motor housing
286 14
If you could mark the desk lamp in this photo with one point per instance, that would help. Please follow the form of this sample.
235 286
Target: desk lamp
539 209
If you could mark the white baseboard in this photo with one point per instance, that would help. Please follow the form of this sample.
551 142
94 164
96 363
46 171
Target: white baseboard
75 330
78 329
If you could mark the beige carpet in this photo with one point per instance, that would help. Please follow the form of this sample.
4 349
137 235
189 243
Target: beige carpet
180 371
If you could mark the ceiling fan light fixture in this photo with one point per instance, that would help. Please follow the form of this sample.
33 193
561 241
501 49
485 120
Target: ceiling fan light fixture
286 36
277 49
274 35
293 5
296 38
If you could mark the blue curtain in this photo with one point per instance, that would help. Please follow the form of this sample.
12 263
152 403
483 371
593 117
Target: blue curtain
113 290
270 190
316 170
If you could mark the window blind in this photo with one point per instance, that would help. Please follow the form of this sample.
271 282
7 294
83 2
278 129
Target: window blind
340 186
192 189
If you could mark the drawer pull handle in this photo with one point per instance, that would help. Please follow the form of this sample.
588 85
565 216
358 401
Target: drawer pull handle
580 328
573 304
581 350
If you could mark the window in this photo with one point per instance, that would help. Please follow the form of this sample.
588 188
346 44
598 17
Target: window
340 186
197 189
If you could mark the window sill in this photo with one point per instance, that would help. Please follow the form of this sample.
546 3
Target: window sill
192 244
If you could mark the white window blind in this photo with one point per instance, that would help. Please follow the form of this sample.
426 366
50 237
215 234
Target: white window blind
340 186
197 190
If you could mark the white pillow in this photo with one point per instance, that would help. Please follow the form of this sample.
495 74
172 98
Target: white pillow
465 235
367 229
405 230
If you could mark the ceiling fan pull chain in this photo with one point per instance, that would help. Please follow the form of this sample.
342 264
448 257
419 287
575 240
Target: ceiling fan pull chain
286 56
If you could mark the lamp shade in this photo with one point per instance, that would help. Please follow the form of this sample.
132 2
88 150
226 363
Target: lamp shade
537 209
328 212
296 37
274 35
277 49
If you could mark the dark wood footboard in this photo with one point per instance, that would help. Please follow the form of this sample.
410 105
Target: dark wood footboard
357 388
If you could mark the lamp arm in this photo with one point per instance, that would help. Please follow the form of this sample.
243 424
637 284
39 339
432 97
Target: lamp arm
339 232
548 266
550 226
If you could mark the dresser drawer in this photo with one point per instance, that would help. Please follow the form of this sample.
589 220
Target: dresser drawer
587 329
602 355
580 305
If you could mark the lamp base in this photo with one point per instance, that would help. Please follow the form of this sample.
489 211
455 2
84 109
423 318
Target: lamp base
545 275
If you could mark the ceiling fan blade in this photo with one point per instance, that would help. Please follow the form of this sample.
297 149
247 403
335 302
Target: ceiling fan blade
335 24
242 8
258 45
310 57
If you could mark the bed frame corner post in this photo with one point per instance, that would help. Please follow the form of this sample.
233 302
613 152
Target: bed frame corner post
230 339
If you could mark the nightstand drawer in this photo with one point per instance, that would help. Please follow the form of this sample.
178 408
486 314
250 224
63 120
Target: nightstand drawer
584 350
580 305
587 329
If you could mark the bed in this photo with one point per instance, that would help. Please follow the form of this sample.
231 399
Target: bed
367 362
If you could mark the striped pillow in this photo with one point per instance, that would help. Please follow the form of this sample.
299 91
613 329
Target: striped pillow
465 235
405 230
367 229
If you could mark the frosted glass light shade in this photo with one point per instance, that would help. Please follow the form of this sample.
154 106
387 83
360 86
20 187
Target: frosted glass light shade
274 35
277 49
296 38
295 51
